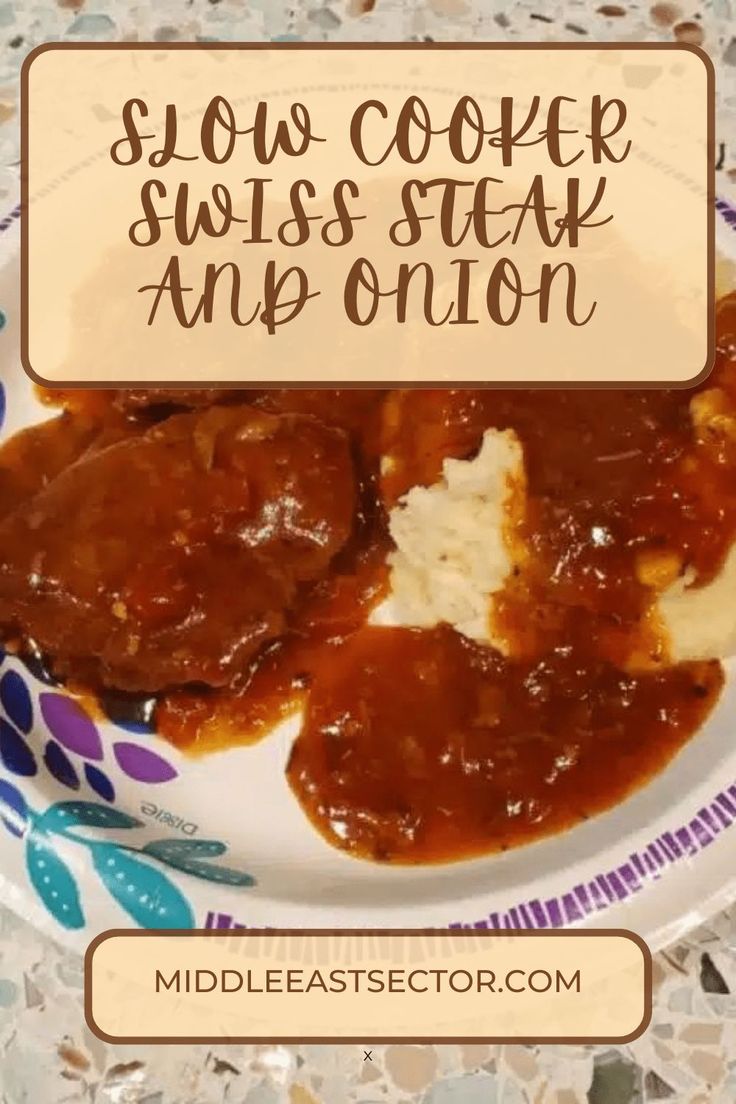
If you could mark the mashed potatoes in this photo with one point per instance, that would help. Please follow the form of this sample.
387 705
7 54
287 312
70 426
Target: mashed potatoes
700 622
454 552
452 541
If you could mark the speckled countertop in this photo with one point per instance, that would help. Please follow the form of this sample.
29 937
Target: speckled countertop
47 1054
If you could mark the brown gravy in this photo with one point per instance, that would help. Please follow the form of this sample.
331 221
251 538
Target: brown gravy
420 746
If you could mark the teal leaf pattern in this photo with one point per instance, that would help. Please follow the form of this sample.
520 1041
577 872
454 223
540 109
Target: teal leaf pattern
53 881
184 855
146 894
65 815
199 848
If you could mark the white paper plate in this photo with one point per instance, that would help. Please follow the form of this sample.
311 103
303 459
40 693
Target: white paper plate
104 827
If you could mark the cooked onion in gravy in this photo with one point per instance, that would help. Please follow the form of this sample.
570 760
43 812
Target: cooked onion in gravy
231 579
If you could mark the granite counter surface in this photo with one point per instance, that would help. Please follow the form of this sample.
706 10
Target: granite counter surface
47 1054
